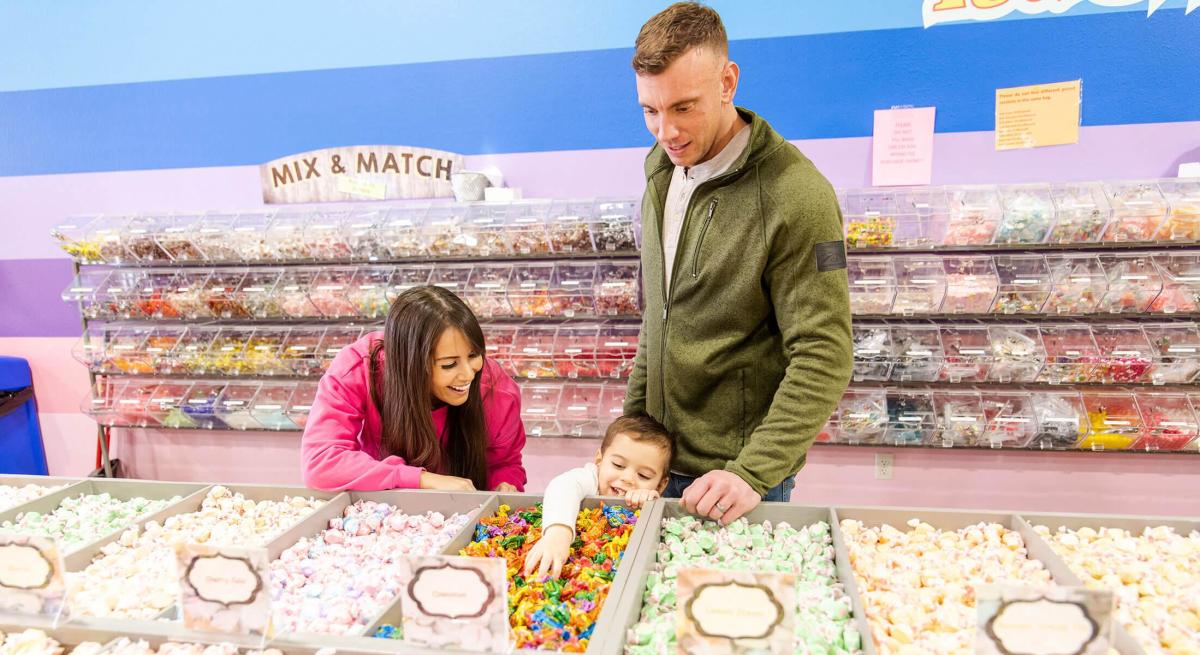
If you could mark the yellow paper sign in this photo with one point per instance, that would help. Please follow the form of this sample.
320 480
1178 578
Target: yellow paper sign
1038 115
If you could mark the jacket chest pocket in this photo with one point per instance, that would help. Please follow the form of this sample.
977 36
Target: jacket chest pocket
708 219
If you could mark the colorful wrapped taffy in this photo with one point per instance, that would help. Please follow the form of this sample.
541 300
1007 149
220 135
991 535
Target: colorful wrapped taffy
556 614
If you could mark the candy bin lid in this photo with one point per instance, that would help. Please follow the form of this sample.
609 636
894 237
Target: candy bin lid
256 292
286 235
920 285
214 235
92 348
911 417
331 290
1134 283
487 290
1024 284
1178 352
221 293
872 351
233 406
539 405
872 285
133 406
177 238
1010 419
1028 213
186 296
1083 212
613 226
1170 421
200 404
302 350
1181 283
616 349
873 217
141 239
960 418
529 289
968 349
336 339
576 348
250 237
292 292
579 409
1183 218
612 402
573 289
861 417
401 232
971 284
1072 356
118 297
498 339
361 232
166 404
917 353
453 277
190 354
525 227
1018 352
75 239
973 215
413 275
325 235
1077 284
617 288
1139 210
569 224
1127 353
270 404
369 291
485 231
87 283
533 353
443 234
930 207
100 403
1114 420
301 403
126 350
227 352
1061 420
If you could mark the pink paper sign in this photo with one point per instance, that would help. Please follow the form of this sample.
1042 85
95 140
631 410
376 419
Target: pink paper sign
902 151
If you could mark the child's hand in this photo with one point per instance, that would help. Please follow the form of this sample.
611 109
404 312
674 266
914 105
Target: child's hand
638 497
550 552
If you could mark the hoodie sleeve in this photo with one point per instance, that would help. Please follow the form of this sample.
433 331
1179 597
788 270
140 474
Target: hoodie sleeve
331 453
506 432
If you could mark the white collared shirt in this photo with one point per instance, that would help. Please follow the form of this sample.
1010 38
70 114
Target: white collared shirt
684 182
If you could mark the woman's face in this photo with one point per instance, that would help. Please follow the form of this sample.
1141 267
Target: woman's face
455 364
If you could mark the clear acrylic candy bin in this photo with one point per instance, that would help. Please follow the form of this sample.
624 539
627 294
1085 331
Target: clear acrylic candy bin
1114 421
257 293
1077 284
368 291
1139 210
873 349
974 215
1061 420
533 352
1018 353
270 406
960 418
1028 213
617 348
920 285
361 233
917 354
529 290
1010 420
1181 283
861 417
576 347
487 290
1083 213
613 226
301 403
1177 347
234 405
402 235
579 410
1072 356
539 407
968 351
1134 283
331 291
525 228
1126 353
971 285
912 420
250 238
1183 216
219 240
1024 284
569 226
872 285
617 289
1169 421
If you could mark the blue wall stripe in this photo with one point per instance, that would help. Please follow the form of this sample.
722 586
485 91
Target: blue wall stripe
1134 71
124 41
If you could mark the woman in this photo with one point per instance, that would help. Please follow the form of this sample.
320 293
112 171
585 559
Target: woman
418 406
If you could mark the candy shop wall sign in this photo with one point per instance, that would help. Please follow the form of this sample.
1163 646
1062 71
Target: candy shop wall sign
359 173
948 11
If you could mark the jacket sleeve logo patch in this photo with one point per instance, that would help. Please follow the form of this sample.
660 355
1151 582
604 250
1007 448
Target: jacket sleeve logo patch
831 256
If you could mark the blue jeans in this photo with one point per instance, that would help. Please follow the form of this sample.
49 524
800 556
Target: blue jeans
780 494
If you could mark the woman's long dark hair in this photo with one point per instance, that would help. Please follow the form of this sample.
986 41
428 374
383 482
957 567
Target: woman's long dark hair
415 322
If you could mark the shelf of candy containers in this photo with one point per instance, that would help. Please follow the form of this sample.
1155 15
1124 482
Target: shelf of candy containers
1075 215
1019 417
362 232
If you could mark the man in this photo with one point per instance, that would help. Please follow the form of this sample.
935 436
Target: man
745 343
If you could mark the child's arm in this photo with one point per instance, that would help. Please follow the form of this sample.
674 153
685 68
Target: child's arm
560 508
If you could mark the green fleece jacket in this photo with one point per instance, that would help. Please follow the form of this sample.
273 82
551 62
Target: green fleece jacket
745 356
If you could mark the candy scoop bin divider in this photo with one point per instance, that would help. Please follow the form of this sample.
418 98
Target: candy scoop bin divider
1123 640
629 610
47 481
408 502
120 489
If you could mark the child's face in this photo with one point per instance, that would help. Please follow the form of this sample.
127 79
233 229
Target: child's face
627 465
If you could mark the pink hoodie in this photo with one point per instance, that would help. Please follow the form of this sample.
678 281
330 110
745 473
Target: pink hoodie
341 445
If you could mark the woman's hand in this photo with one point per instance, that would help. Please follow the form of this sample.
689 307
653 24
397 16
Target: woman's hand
506 488
445 482
550 552
635 498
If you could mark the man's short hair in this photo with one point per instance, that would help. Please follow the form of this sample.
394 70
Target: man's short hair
640 428
674 31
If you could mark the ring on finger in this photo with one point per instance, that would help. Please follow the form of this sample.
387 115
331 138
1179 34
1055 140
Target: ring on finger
722 508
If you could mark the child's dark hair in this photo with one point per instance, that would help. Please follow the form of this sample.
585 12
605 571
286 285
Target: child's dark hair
642 428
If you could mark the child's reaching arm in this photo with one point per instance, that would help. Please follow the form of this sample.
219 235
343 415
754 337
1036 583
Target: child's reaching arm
560 508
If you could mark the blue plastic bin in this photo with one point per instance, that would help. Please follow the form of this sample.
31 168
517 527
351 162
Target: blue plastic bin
21 447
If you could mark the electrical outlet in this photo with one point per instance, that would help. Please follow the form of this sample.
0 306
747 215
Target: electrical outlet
883 466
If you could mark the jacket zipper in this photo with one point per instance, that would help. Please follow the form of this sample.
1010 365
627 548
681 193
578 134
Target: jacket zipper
712 207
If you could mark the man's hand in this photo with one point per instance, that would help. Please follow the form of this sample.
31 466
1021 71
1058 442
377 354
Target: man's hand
721 496
506 488
635 498
445 482
550 552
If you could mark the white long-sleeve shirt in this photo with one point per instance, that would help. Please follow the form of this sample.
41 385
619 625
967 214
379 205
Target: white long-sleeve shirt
565 494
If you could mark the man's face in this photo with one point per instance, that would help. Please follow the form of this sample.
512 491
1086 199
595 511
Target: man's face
683 104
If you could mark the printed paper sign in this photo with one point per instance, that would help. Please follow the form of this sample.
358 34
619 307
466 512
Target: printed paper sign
224 589
1038 115
31 576
902 150
456 602
1050 621
735 612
